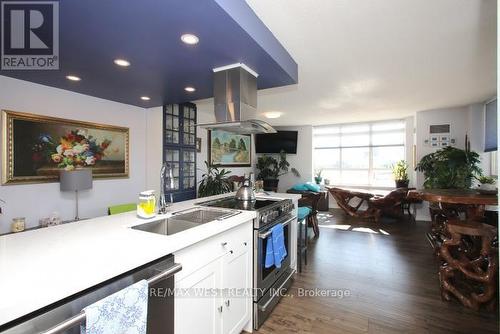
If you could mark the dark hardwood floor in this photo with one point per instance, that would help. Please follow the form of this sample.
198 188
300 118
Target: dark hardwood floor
391 273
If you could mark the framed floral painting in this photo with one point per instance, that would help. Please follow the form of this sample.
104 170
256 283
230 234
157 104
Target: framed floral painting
35 148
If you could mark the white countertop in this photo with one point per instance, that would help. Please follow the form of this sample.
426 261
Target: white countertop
40 267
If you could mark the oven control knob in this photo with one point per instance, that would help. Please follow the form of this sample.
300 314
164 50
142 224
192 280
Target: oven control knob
263 219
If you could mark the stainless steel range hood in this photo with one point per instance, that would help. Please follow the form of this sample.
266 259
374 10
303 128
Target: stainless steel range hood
235 101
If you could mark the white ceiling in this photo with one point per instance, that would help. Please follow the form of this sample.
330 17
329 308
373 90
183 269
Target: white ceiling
380 59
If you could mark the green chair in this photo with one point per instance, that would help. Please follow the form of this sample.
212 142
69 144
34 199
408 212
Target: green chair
121 208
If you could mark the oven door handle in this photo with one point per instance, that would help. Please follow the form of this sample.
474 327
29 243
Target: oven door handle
268 233
264 307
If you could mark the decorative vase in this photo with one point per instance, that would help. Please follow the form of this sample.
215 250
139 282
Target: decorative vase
402 183
271 184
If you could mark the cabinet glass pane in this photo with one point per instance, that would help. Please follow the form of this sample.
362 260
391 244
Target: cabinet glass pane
188 113
176 183
189 156
171 137
175 123
189 168
171 122
171 155
188 182
168 109
175 170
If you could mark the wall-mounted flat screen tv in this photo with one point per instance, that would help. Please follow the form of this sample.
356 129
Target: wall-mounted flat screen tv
277 142
490 126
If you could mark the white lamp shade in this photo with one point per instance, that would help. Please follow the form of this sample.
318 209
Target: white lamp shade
78 179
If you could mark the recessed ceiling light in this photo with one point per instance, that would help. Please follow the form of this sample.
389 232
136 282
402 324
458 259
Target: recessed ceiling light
73 78
122 62
273 114
145 98
190 39
190 89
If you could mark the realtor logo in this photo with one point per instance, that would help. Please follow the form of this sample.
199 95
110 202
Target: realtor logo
30 35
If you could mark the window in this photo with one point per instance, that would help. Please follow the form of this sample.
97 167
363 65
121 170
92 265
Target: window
359 154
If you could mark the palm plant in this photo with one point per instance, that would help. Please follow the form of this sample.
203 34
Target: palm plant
214 182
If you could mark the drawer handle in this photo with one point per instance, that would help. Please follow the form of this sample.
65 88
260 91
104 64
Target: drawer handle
245 243
227 303
223 244
220 309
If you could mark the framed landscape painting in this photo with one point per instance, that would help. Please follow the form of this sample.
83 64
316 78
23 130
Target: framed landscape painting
228 149
35 148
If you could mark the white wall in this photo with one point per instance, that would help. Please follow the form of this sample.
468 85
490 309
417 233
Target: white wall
457 117
464 120
35 201
154 147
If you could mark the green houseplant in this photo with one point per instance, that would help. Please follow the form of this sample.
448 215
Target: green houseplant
487 184
400 173
449 168
317 176
214 182
270 169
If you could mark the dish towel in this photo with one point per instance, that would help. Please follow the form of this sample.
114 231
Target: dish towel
269 260
124 312
275 248
278 235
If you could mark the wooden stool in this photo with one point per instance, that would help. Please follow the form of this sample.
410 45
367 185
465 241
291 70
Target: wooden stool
470 264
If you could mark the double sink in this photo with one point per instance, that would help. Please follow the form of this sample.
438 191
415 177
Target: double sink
184 220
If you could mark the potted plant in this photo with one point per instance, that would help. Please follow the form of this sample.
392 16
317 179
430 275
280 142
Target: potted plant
270 169
487 184
449 168
400 173
317 176
214 182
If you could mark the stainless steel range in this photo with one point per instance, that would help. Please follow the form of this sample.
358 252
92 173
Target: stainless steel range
269 283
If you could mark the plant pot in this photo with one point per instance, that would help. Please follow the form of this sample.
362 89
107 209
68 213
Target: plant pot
486 188
318 179
402 183
271 184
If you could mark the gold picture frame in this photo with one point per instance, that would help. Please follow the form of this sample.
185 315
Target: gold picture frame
48 144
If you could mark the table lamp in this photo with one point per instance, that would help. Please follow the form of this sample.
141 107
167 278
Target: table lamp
76 180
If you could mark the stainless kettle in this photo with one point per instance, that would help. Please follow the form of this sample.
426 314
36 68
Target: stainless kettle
246 192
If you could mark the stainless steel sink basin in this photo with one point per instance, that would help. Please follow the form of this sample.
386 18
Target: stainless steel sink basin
184 220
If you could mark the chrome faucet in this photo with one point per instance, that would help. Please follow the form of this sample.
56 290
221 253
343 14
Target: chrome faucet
166 179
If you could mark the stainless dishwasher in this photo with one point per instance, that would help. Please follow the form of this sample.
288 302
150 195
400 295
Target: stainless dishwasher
65 316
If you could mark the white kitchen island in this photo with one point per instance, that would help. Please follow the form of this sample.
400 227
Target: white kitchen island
44 266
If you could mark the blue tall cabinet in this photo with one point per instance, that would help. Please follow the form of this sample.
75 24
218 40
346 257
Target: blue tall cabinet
179 148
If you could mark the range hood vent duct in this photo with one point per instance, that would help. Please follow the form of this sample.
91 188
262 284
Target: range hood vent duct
235 101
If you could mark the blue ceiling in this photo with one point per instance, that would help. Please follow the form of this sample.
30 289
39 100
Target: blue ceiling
147 33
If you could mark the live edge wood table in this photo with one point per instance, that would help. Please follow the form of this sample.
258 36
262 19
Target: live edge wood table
471 201
466 248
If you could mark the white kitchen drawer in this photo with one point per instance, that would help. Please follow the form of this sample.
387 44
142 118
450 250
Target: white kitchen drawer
202 253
